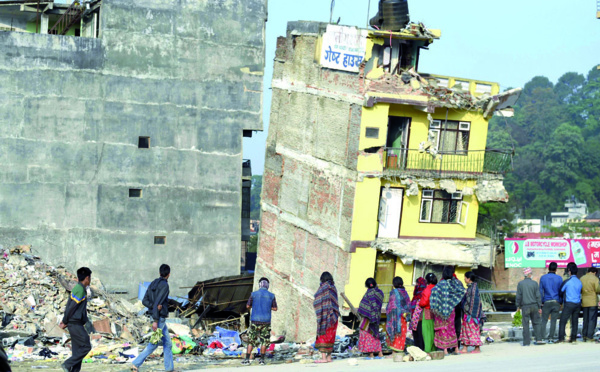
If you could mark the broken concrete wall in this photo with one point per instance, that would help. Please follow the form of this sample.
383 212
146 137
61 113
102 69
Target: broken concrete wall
308 185
72 109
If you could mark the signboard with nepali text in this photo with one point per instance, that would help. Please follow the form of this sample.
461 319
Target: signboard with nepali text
538 253
343 48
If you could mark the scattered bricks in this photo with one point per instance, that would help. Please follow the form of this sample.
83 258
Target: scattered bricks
102 326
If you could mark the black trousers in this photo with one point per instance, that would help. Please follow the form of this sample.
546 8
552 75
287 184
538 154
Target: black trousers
4 366
418 336
80 345
590 318
570 311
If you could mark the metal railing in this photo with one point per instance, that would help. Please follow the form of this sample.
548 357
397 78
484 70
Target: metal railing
71 16
464 164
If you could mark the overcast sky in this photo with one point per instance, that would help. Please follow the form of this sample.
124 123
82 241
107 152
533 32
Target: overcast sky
508 42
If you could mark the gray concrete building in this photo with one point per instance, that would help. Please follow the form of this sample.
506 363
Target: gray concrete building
122 150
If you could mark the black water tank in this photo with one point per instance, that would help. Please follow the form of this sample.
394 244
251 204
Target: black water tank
392 15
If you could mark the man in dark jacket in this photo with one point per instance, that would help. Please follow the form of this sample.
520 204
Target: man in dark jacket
159 311
75 318
529 300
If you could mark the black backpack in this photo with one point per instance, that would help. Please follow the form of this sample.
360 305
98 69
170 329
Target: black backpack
148 300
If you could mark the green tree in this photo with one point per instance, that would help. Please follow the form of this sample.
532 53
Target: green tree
255 191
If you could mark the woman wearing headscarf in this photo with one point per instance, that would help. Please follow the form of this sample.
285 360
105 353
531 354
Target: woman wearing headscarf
444 298
398 311
370 310
472 316
328 312
415 313
423 311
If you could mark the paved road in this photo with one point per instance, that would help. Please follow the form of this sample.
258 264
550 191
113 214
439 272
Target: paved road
497 357
510 357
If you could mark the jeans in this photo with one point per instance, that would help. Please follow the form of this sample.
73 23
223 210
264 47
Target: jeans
590 318
570 311
166 342
531 312
551 309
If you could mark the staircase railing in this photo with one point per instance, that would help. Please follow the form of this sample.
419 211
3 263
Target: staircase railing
70 18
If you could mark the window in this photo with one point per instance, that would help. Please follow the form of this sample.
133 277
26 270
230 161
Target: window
160 240
439 206
452 137
135 193
144 142
372 133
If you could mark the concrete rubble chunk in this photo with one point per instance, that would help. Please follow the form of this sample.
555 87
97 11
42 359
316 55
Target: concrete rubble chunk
426 183
491 191
413 187
417 354
448 185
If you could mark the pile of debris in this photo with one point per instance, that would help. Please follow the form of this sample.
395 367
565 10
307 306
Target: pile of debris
34 296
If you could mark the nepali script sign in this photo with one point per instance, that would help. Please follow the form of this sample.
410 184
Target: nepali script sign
343 48
538 253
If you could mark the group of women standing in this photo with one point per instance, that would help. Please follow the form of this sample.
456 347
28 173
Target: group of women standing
430 315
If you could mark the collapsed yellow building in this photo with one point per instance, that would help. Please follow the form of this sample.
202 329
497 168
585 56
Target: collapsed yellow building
373 169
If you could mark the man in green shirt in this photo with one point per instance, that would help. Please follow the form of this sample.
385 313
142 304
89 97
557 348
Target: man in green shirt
75 318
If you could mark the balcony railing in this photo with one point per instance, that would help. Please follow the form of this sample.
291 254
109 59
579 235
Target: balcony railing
461 164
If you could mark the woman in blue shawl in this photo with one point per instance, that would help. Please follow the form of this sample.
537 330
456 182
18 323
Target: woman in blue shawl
370 311
445 296
398 315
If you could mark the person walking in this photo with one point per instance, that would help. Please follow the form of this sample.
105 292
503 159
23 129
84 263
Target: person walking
445 296
75 318
423 314
415 313
529 301
572 294
589 302
549 291
328 312
370 310
262 303
473 316
398 312
160 312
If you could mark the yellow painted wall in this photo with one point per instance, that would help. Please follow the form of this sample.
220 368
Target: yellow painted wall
374 117
366 208
362 267
411 211
460 273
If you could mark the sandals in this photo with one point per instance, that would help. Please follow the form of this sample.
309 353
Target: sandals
134 369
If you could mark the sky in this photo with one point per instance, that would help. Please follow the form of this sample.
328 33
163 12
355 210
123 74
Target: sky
507 42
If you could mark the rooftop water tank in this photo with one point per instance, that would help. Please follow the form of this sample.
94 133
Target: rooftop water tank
392 15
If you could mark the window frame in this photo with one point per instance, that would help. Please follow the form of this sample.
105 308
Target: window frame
439 127
454 198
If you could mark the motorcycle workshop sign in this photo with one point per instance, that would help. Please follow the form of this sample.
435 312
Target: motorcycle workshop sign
538 253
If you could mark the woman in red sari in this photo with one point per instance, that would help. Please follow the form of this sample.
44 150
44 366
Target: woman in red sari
328 312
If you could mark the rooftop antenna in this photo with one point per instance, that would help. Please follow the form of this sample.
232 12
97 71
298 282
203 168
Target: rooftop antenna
331 11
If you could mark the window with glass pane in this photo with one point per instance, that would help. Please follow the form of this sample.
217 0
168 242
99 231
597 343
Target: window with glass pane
442 207
452 137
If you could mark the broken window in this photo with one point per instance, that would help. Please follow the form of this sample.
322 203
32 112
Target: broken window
160 240
451 137
439 206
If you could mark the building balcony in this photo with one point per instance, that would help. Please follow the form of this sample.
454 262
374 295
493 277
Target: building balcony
473 164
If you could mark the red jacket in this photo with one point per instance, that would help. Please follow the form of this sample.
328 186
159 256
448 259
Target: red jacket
424 302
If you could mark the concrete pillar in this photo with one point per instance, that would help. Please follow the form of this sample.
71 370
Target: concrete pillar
44 20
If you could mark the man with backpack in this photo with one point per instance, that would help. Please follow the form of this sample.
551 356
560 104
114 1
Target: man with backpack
156 300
